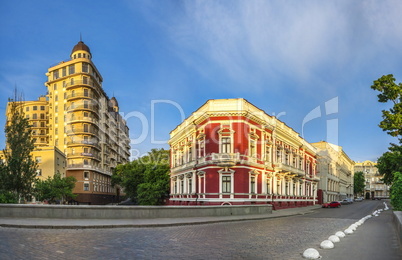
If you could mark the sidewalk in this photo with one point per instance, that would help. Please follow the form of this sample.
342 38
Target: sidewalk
156 222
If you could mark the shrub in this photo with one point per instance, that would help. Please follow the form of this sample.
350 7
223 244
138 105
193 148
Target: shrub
396 192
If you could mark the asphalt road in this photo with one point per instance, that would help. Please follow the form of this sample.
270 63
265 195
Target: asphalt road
280 238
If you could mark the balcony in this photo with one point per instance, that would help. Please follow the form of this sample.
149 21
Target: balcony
86 119
84 142
79 95
281 167
91 107
78 83
225 159
82 130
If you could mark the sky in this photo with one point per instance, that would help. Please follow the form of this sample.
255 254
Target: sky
309 63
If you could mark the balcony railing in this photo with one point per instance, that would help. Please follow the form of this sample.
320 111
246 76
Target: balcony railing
83 119
225 159
81 95
81 130
87 167
289 168
89 83
92 107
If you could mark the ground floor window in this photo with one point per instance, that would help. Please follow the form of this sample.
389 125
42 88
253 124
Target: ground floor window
226 184
252 184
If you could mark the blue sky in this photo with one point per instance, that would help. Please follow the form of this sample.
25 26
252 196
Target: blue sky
311 63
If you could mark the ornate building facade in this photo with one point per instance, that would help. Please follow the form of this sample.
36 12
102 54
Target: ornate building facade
78 119
231 152
374 188
335 172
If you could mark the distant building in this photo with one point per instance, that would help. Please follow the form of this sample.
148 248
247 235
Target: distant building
79 120
50 159
335 172
231 152
374 186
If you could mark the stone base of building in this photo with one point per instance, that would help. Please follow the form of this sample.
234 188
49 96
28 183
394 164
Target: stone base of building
275 204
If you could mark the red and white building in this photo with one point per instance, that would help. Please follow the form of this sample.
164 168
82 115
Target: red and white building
231 152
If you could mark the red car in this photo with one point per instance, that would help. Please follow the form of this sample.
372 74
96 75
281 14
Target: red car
334 204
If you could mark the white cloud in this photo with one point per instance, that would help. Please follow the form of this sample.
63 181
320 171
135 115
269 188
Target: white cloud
255 42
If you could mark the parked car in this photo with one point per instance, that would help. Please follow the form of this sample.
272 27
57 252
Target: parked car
359 199
333 204
345 202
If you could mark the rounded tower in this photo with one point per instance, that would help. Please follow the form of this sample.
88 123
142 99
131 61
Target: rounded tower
81 50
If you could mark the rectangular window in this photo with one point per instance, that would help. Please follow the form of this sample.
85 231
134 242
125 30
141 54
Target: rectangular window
79 55
86 92
86 186
85 67
42 116
267 153
86 104
42 124
35 108
64 72
54 86
56 74
252 148
42 108
86 175
268 186
71 69
35 116
190 185
225 145
252 184
226 184
85 80
27 109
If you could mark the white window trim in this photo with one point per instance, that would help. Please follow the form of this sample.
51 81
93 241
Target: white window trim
228 172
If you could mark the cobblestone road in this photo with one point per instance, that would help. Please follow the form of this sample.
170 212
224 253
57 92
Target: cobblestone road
276 238
283 238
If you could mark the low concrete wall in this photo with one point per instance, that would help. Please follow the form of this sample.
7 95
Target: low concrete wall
126 212
398 224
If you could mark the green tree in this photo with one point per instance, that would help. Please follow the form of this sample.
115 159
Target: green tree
146 179
18 173
55 188
396 191
156 184
129 176
389 163
390 92
358 183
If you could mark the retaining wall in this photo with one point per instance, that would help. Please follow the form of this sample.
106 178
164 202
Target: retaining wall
127 212
398 224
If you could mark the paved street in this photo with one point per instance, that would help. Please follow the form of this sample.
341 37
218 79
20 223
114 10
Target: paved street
279 238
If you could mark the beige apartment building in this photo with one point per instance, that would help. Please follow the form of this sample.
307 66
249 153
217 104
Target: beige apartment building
335 172
77 119
374 188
